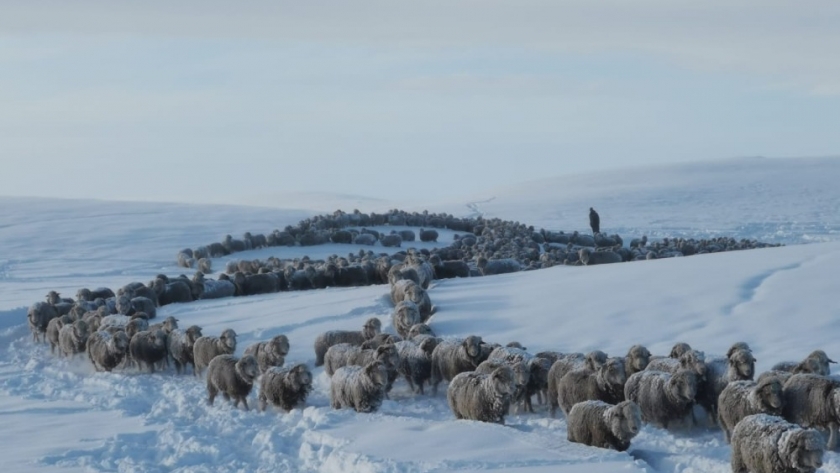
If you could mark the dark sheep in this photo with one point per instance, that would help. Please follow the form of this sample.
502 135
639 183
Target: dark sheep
181 345
39 316
598 424
451 357
233 377
72 338
286 387
428 235
148 347
106 350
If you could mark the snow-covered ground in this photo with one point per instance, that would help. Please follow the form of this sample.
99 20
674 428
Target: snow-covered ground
59 415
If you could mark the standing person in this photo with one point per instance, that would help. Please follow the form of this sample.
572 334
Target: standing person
594 221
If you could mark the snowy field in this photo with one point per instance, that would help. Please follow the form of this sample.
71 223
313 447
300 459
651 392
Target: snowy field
59 415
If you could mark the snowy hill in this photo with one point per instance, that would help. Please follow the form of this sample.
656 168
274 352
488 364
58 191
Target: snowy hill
59 415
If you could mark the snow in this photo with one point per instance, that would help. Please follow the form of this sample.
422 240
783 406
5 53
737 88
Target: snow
60 415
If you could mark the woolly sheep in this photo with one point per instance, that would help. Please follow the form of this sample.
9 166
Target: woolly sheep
743 398
135 325
537 379
39 316
662 397
55 298
88 295
380 339
181 345
365 239
428 235
233 377
406 315
285 387
168 325
451 357
406 290
598 424
53 329
205 265
169 293
407 235
324 341
359 387
565 364
270 353
415 363
72 338
482 397
497 266
604 384
254 284
207 347
344 354
107 351
637 359
739 366
216 289
148 347
678 349
521 376
589 257
452 269
822 360
185 258
419 329
692 360
391 240
812 400
767 444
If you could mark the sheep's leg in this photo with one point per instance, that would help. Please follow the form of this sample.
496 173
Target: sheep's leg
211 394
245 402
832 436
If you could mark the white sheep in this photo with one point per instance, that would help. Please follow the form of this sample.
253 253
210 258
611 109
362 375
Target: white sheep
233 377
663 398
208 347
812 400
482 397
603 425
768 444
359 387
743 398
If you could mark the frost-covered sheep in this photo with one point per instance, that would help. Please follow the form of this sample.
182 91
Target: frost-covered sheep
185 258
599 424
636 360
415 363
344 354
451 357
88 295
72 338
812 400
407 235
324 341
406 315
233 377
678 349
428 235
285 387
54 328
817 358
148 347
744 398
205 265
359 387
604 384
521 376
589 257
135 325
168 325
419 296
270 353
216 289
172 292
391 240
39 316
497 266
739 366
692 360
365 239
105 350
565 364
537 367
181 345
482 397
379 340
663 398
419 329
208 347
55 298
767 444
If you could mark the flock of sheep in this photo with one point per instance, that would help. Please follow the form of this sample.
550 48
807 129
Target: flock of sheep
770 422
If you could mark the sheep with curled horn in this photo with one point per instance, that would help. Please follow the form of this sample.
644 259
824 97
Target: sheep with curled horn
324 341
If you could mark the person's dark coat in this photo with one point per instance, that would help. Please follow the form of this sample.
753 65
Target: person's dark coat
594 221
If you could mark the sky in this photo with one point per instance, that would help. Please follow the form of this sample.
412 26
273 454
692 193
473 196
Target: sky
210 101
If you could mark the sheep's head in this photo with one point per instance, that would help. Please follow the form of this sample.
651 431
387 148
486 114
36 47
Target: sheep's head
228 338
420 329
83 294
624 420
503 381
159 339
377 373
802 449
521 374
300 377
247 368
472 346
741 364
193 333
539 370
80 327
613 373
280 345
822 361
808 365
770 395
678 349
738 346
170 324
371 328
695 361
639 357
120 341
428 345
683 385
388 355
594 360
53 297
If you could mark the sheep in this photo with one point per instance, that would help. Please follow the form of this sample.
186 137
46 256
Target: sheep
205 265
39 316
148 347
72 338
216 289
254 284
207 347
812 400
691 360
232 245
482 397
135 325
521 376
678 349
599 424
452 269
270 353
106 350
604 384
451 357
359 387
181 345
285 387
365 239
87 295
415 363
417 330
822 360
169 293
53 329
636 360
233 377
589 257
168 325
497 266
662 397
428 235
55 298
406 315
407 290
738 366
767 444
325 340
743 398
537 367
379 340
565 364
391 240
407 235
185 258
344 354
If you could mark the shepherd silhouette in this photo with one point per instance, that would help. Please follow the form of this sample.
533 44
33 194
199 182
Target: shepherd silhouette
594 221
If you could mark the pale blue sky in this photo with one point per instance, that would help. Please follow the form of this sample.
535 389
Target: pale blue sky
203 100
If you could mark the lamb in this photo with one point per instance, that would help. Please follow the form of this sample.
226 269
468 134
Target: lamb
598 424
451 357
822 360
565 364
637 359
359 387
415 363
148 347
497 266
428 235
482 397
106 350
812 400
285 387
72 338
324 341
604 384
39 316
662 397
206 348
406 315
768 444
181 345
589 257
270 353
744 398
233 377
